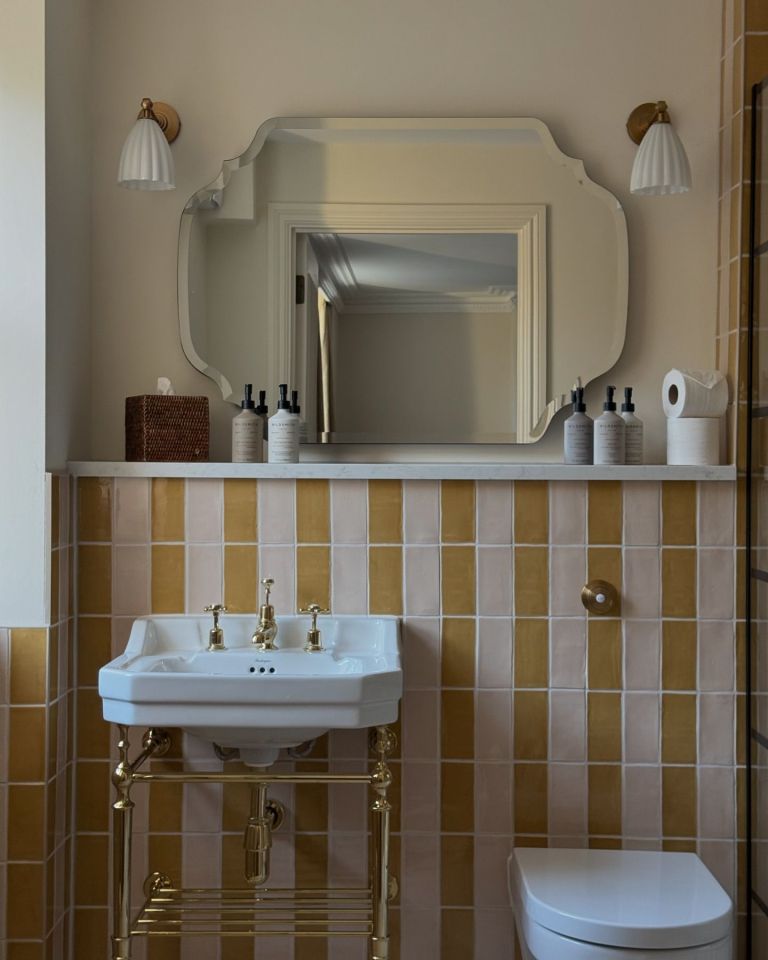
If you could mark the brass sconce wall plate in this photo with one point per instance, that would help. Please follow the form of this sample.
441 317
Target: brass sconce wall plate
643 116
600 597
166 116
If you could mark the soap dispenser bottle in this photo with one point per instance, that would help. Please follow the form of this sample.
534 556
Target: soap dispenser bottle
578 431
284 431
247 432
633 429
609 432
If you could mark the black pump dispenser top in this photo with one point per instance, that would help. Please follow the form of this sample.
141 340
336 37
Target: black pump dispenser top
610 403
627 406
577 398
283 403
247 402
262 407
295 408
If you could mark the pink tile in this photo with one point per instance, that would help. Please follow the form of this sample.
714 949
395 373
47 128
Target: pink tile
641 728
279 563
719 856
277 511
130 580
716 655
202 805
642 513
348 858
641 596
717 724
567 725
491 855
349 744
205 577
494 652
422 581
717 796
349 579
494 511
717 508
494 581
567 799
205 511
419 933
349 511
568 653
716 583
131 510
421 797
198 948
642 655
420 866
493 798
567 576
567 512
201 859
420 710
121 630
641 801
494 933
347 806
421 653
421 511
493 725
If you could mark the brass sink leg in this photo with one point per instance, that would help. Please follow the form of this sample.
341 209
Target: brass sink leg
381 780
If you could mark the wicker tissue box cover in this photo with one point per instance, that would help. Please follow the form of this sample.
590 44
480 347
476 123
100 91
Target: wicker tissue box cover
161 427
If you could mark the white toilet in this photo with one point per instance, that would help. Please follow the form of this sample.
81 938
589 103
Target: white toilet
618 905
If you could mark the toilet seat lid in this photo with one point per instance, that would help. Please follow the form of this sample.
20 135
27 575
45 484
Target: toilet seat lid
621 898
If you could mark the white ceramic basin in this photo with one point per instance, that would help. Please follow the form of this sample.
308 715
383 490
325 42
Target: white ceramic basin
255 700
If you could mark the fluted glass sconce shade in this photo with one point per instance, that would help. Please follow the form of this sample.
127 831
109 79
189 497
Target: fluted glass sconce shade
661 165
146 162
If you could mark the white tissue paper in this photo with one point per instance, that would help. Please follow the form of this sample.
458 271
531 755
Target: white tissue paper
165 387
694 393
693 440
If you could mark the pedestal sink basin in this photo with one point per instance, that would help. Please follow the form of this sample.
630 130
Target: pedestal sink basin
255 700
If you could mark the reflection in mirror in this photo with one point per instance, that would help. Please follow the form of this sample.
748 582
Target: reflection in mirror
467 273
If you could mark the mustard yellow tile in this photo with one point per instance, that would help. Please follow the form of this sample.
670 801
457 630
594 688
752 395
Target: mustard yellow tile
605 511
92 729
56 636
678 510
457 511
678 728
458 724
678 801
385 511
29 654
604 727
167 579
313 511
241 578
26 752
678 582
457 787
52 722
55 510
531 653
310 804
531 793
756 59
313 577
164 852
93 782
458 653
679 846
679 655
604 563
240 511
55 585
94 579
311 859
241 948
94 509
458 580
94 648
531 581
531 511
168 508
531 724
92 870
457 862
26 822
165 806
605 843
90 931
605 654
604 807
25 901
457 934
385 580
309 949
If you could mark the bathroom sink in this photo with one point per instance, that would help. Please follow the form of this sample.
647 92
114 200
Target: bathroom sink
255 700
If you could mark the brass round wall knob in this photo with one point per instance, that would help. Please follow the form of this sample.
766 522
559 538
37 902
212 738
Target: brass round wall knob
600 597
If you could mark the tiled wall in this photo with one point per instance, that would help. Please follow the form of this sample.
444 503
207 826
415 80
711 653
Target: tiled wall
36 768
523 720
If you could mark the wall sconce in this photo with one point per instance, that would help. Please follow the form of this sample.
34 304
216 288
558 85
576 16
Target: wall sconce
661 166
146 162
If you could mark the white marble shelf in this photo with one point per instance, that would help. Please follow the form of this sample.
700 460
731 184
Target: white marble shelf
399 471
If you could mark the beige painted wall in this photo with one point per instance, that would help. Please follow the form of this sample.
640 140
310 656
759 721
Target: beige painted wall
579 65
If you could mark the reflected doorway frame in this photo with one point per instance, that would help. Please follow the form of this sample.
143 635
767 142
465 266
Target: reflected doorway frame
527 221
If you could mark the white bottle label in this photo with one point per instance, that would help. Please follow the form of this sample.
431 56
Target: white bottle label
609 439
578 440
247 438
283 439
634 443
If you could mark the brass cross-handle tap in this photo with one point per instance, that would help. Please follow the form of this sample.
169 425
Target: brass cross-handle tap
314 644
216 634
264 635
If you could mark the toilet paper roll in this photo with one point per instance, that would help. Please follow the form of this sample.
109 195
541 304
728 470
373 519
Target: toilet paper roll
694 393
693 440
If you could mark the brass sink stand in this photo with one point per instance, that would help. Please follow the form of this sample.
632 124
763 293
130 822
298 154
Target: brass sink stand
255 911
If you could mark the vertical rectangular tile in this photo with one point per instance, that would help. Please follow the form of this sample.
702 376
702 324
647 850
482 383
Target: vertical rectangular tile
457 934
94 580
457 787
678 658
422 581
567 727
458 653
241 502
385 511
458 580
642 513
568 652
349 511
457 870
494 581
313 577
313 511
276 511
349 578
130 583
458 724
168 510
679 818
530 797
642 575
94 509
167 579
494 511
678 508
604 816
605 511
205 575
678 728
531 581
531 653
457 511
641 727
131 510
242 592
604 727
385 580
605 654
28 666
531 511
530 724
421 511
567 512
